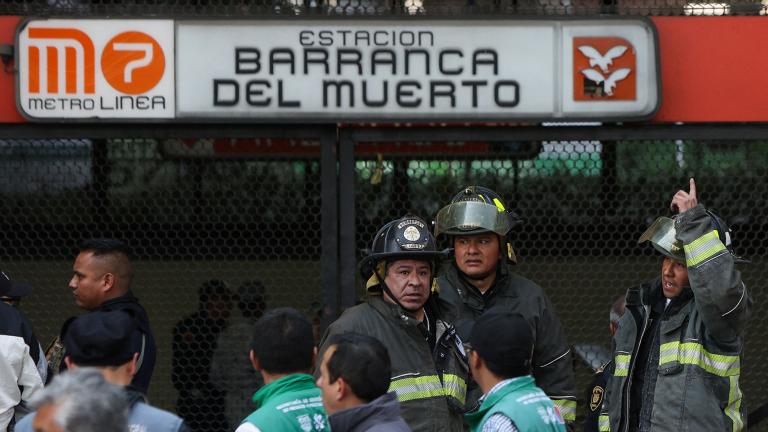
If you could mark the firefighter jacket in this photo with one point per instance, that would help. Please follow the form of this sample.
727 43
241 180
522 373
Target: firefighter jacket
697 358
552 361
431 384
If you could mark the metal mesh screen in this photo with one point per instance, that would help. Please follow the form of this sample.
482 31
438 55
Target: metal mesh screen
584 206
246 8
215 242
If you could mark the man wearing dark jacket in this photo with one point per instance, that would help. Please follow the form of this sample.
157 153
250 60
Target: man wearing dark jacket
354 378
101 281
480 277
105 341
429 365
677 351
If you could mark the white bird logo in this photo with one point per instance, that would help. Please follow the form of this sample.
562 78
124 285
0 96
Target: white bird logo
595 58
608 83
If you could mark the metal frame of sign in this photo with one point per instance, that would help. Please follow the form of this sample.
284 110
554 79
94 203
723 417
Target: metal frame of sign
253 61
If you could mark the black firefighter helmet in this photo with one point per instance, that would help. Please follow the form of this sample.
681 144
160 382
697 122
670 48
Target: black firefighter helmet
406 238
477 210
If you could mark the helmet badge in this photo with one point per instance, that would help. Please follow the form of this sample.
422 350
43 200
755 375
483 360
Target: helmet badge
411 233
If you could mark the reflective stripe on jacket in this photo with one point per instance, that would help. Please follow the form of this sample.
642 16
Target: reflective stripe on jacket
431 398
700 346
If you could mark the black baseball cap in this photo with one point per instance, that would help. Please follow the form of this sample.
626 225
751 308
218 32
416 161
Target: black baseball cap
101 338
11 289
503 338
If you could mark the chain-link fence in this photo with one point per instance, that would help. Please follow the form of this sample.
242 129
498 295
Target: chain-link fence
320 8
218 240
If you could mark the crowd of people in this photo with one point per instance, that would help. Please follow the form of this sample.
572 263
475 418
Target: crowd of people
447 339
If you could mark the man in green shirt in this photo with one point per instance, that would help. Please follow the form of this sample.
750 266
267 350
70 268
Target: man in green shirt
283 352
501 365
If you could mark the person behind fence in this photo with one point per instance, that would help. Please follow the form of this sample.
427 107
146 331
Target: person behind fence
231 370
105 341
80 400
480 277
501 364
102 277
200 402
429 366
20 378
354 378
283 352
596 392
678 348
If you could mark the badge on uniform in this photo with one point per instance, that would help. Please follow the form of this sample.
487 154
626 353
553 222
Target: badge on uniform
597 398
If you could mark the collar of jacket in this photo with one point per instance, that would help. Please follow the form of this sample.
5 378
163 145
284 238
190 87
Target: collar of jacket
125 298
442 310
652 293
488 401
290 383
467 289
383 409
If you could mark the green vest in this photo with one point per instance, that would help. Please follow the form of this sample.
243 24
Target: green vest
525 404
292 403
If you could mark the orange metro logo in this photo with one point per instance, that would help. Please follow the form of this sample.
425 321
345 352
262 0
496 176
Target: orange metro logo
63 61
604 68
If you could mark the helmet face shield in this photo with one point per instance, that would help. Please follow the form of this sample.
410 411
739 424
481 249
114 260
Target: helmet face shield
466 217
661 234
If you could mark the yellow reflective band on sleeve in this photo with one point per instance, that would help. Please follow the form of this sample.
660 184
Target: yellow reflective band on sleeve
424 387
703 248
567 409
733 410
604 423
455 387
622 365
693 353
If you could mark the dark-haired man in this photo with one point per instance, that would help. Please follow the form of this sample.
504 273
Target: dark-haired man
678 348
481 276
501 364
101 281
354 378
283 352
105 341
429 365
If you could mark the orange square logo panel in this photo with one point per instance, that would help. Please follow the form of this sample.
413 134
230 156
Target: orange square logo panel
604 68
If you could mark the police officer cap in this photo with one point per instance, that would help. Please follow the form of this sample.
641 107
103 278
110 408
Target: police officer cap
503 338
101 338
11 289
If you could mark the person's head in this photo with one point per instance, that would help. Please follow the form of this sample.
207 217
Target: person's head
12 292
215 299
355 370
501 347
109 341
80 400
617 311
283 343
252 299
401 262
478 224
102 271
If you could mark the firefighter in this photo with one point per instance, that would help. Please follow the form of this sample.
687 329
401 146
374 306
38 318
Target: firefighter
480 277
429 365
677 351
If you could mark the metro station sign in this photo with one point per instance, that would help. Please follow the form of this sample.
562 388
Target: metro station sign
423 70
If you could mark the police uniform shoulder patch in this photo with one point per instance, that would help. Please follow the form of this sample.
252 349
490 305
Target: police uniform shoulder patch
596 401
